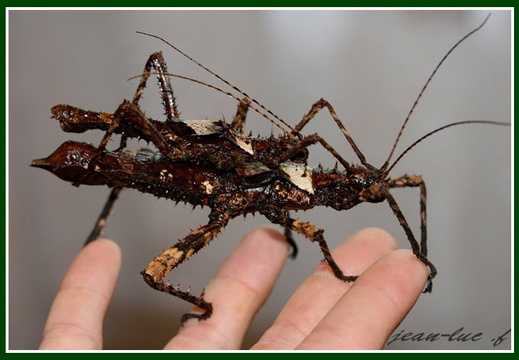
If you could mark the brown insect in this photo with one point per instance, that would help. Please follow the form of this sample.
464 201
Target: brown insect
212 163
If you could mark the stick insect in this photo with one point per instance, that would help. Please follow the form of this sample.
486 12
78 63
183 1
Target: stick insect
212 163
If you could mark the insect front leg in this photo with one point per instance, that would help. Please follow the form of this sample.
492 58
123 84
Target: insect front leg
157 270
318 106
420 250
310 140
312 233
416 181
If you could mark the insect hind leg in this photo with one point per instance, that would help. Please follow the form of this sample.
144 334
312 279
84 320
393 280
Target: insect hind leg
156 60
420 250
416 181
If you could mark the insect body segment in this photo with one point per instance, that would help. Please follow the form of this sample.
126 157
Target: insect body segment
212 163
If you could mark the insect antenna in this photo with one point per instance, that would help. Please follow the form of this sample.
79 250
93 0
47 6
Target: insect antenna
224 81
386 164
488 122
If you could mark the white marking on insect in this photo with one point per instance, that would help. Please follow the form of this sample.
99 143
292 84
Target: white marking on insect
162 174
299 175
205 127
244 143
208 187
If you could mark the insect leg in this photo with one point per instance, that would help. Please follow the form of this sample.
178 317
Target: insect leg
407 229
238 122
101 221
129 121
416 181
319 105
156 61
128 115
133 117
157 270
310 140
75 120
291 242
312 233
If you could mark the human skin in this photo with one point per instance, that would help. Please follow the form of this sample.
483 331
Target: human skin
323 313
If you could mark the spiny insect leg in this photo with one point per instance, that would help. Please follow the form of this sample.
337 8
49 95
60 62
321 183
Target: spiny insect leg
312 233
238 122
416 181
129 116
132 116
101 221
412 240
76 120
310 140
168 99
318 106
157 269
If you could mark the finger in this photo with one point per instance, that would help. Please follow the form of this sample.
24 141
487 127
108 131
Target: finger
76 316
319 293
376 304
237 292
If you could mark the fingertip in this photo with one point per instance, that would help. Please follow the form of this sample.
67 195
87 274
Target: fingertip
404 264
97 263
106 245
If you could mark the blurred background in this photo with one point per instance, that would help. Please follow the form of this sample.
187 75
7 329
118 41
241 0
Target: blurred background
370 65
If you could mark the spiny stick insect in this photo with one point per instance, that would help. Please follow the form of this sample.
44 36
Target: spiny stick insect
212 163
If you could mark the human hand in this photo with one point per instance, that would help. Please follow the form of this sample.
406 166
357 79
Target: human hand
323 313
